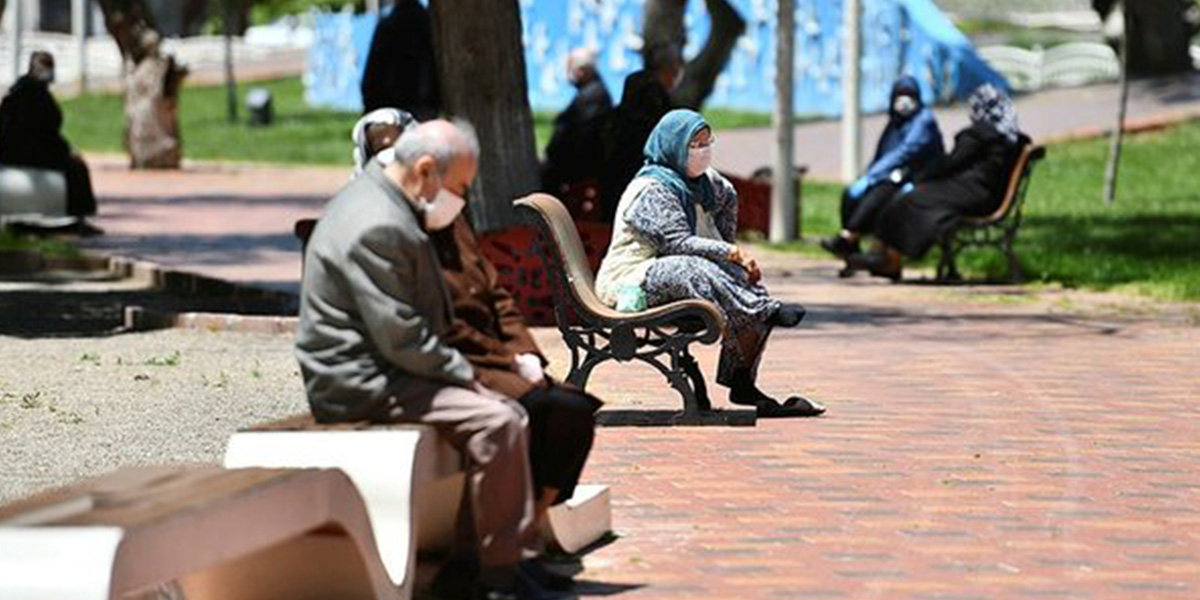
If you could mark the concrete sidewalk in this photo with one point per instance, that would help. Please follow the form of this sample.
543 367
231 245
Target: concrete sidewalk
1045 116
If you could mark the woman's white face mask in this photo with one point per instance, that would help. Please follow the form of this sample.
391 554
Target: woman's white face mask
905 106
699 159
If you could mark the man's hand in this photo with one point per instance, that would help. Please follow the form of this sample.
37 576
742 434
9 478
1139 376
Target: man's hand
529 366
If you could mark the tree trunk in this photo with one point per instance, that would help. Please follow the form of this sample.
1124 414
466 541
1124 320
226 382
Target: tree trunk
1159 35
701 74
663 25
481 63
3 3
152 83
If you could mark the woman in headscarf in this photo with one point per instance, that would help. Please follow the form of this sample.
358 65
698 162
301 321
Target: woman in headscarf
376 131
673 239
970 181
909 144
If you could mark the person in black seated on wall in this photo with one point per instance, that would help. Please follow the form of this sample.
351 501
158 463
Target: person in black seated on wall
574 153
970 181
30 124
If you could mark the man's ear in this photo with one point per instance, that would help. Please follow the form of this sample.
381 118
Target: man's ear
426 166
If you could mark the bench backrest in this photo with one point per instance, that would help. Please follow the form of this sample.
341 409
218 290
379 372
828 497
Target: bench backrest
565 247
1018 181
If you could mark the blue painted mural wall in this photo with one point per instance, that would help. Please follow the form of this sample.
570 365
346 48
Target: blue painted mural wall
900 36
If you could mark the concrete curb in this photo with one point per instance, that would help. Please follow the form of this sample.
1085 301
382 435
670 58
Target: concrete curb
139 318
1142 125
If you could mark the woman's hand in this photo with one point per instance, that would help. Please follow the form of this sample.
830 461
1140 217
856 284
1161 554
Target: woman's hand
745 261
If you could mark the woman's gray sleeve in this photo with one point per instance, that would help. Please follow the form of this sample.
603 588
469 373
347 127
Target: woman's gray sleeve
656 215
725 214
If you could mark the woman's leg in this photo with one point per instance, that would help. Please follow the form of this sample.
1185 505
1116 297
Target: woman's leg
747 308
870 205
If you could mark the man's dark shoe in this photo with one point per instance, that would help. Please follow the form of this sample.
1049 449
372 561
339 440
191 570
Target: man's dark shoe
456 579
840 246
535 570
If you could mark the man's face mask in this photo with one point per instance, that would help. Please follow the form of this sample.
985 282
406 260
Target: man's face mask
905 106
442 209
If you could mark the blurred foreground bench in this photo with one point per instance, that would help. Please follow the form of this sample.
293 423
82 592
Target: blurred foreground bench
200 533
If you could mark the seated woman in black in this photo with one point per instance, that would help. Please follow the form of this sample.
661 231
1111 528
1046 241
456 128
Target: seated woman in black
970 181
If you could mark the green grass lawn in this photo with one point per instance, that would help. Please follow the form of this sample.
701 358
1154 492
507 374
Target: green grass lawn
1148 242
300 135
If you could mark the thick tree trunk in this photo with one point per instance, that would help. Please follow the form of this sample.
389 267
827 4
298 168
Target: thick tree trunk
152 83
663 25
481 63
701 74
1159 35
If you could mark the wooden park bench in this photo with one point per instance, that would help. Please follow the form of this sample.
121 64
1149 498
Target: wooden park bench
200 533
596 333
410 480
998 229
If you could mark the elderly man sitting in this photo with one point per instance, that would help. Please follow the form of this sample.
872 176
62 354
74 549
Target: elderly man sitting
375 324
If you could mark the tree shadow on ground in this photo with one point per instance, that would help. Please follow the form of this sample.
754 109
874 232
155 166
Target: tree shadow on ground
54 311
111 204
982 324
196 249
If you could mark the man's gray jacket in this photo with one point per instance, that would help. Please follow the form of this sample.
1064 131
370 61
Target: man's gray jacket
373 305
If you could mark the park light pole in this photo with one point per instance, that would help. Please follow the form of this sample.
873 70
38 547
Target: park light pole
851 72
79 23
783 189
18 19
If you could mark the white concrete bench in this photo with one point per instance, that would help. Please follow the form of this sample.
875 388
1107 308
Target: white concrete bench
1081 63
36 196
200 533
411 482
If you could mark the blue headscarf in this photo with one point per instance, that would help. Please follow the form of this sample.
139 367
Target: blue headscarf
666 154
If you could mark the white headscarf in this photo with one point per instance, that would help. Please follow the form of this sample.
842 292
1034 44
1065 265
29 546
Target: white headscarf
385 116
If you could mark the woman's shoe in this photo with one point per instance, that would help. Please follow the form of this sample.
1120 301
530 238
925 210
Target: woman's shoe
876 264
840 246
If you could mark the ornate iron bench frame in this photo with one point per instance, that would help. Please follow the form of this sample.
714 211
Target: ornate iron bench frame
999 229
659 336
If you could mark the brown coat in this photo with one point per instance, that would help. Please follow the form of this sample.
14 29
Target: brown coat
487 327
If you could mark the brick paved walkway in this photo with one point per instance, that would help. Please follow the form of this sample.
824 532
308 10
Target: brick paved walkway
982 443
974 449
